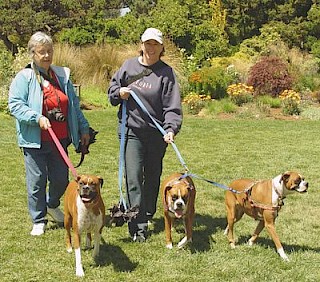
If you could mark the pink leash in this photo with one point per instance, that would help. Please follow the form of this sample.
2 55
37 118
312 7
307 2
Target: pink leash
63 153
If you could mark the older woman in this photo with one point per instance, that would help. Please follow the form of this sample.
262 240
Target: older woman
42 96
145 147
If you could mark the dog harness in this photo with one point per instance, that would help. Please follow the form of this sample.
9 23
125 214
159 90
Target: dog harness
256 205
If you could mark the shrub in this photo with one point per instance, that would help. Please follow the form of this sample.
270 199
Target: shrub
291 102
270 76
195 103
269 101
211 81
221 106
240 93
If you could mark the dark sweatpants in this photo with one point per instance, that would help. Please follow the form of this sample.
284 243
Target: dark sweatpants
144 153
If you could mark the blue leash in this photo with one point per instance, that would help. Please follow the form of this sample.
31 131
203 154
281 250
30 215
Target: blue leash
183 163
212 182
142 106
121 157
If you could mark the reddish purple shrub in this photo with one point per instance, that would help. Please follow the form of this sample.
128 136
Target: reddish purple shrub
270 76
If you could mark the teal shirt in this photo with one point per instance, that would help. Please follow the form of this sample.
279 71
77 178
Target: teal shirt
25 104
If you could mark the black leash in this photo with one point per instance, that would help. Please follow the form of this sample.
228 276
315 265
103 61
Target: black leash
84 149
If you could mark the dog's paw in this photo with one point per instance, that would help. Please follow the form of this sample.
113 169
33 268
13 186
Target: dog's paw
282 254
79 272
250 242
169 246
232 245
69 250
184 242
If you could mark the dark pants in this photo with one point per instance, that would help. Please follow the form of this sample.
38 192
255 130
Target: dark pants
144 152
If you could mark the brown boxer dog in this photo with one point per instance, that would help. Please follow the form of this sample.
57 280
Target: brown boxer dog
261 200
178 196
84 211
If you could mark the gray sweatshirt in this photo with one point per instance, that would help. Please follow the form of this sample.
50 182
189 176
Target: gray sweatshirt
158 91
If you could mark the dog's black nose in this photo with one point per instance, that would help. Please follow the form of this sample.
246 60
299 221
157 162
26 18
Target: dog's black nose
179 205
85 188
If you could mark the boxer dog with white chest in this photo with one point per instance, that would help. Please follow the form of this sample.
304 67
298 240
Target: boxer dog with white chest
84 211
261 200
178 197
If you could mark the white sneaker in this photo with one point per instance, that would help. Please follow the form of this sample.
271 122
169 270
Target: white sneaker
56 214
38 229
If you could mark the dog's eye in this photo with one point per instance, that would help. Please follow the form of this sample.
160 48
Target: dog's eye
174 198
185 198
80 183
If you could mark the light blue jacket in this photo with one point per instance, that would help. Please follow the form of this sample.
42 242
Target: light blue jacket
25 104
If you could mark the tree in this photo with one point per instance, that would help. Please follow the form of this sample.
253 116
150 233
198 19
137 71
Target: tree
19 19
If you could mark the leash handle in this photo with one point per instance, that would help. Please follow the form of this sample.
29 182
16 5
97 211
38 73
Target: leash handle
142 106
62 152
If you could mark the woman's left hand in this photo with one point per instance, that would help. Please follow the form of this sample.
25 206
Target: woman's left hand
169 137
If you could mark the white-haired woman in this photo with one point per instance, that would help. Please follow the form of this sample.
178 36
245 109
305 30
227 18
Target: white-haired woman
41 96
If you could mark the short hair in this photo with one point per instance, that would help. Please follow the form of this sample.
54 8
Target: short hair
38 38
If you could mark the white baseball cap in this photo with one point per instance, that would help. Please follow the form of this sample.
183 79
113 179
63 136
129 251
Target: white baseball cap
152 33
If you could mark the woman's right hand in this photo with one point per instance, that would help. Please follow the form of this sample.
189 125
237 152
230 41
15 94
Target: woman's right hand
124 93
44 123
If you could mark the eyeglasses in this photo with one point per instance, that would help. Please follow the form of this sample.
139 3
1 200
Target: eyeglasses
43 53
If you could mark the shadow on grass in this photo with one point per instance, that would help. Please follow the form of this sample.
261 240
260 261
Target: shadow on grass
113 255
268 242
204 226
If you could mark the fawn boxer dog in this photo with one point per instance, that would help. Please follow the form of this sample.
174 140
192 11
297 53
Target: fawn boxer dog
84 211
178 196
261 200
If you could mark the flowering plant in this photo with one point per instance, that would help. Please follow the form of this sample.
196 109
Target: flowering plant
240 93
195 102
291 102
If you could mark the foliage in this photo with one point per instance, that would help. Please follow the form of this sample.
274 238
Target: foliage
259 45
6 69
203 28
270 76
9 66
222 106
19 19
76 36
208 42
245 18
212 81
293 33
291 102
269 101
195 102
315 49
240 93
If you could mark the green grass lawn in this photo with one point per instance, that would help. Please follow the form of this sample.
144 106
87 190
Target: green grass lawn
220 150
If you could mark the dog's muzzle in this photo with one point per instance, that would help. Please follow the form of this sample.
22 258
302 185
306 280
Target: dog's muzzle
178 208
87 195
302 187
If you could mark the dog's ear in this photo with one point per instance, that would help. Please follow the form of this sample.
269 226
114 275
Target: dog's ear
78 178
166 189
285 176
100 180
